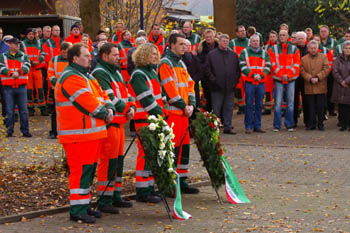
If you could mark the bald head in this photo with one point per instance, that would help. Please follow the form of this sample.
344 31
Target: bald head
187 28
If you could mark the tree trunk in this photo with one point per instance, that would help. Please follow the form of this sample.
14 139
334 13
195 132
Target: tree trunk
225 16
90 16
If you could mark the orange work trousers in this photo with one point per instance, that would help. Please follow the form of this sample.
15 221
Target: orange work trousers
144 178
110 166
35 80
82 162
182 152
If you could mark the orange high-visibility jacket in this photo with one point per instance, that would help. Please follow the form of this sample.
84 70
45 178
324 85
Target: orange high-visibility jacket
10 63
177 83
34 52
253 63
71 38
51 48
56 67
123 48
285 60
81 106
160 43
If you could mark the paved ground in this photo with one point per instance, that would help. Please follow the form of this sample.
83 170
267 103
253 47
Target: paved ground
297 182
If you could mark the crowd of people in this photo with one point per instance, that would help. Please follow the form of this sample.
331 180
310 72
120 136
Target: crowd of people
92 89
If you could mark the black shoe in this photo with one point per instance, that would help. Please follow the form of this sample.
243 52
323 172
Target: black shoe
44 113
148 198
9 135
259 130
27 135
189 190
321 128
122 204
95 213
52 136
310 128
229 131
108 209
85 218
266 112
343 128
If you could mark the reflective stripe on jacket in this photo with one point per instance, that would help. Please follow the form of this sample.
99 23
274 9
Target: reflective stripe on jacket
10 63
81 106
285 60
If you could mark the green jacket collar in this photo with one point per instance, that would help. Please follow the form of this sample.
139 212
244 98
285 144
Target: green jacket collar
111 68
79 68
172 56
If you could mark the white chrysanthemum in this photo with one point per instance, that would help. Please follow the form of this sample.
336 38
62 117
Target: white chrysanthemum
162 154
161 137
151 117
171 135
216 123
170 169
172 125
166 128
152 126
161 146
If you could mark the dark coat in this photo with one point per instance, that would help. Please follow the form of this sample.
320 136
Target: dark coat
341 72
131 65
224 70
194 69
203 51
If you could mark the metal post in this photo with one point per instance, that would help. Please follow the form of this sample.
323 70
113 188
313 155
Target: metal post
141 14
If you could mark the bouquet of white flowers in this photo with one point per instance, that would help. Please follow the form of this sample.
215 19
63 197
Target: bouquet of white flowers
156 139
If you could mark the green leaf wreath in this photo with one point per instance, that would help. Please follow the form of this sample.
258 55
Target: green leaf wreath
156 139
205 130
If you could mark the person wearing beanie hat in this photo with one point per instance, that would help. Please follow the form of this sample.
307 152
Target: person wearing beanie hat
75 36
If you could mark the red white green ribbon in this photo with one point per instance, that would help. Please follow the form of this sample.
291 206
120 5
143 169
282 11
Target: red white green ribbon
234 191
177 210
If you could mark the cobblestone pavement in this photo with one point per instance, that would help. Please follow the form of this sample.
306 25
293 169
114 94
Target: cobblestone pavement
297 182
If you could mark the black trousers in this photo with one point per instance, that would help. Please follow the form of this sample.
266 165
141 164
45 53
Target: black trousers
317 106
53 120
330 105
344 115
299 90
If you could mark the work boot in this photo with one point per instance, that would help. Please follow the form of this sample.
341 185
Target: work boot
95 213
189 190
122 203
266 112
27 135
85 218
148 198
108 209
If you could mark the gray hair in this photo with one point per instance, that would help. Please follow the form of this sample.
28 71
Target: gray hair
46 27
139 39
301 33
140 33
312 42
255 36
345 43
222 36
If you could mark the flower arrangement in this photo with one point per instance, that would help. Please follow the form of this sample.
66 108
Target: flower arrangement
205 129
156 139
